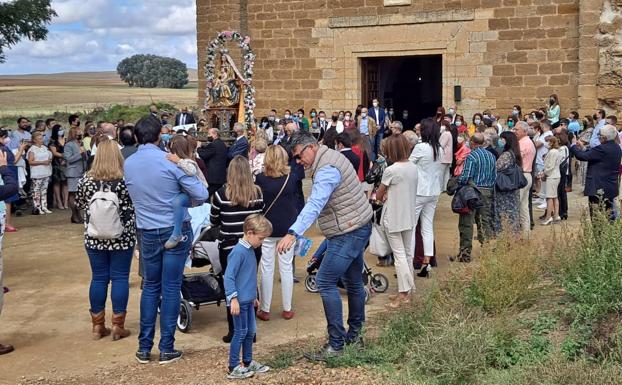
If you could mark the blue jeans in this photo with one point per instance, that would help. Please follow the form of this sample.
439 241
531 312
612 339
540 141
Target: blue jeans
109 266
244 328
163 271
344 260
181 201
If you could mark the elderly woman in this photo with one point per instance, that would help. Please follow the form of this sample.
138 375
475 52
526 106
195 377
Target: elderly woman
603 163
75 155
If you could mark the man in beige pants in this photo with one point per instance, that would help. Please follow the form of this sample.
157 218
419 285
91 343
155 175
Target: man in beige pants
528 154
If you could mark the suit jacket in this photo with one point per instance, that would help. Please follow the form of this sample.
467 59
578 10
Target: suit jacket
603 163
189 119
371 112
215 157
76 162
371 125
240 147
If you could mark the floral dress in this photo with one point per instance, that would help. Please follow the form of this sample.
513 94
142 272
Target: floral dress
87 186
506 203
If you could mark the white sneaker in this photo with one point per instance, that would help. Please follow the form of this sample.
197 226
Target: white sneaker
45 210
542 206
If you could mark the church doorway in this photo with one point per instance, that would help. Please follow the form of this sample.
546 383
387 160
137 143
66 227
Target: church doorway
413 83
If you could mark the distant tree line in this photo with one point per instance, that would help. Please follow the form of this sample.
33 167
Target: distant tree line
151 71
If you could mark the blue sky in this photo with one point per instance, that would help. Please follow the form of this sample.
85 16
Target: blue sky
94 35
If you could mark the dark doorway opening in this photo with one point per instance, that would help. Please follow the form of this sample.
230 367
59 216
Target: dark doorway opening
413 83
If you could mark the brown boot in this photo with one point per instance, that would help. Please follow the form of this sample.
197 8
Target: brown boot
118 326
99 325
4 349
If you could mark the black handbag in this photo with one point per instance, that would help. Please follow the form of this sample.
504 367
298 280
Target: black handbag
510 179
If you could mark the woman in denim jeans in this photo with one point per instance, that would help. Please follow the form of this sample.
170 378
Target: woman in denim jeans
110 259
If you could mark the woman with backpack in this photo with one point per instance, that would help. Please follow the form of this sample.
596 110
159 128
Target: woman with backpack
109 236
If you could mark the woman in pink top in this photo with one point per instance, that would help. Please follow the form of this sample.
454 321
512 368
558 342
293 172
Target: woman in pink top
446 141
461 155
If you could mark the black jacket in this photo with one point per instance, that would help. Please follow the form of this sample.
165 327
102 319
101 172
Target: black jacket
353 158
215 157
189 119
603 164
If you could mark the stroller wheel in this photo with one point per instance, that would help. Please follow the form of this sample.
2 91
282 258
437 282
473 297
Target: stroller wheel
185 316
367 294
379 283
310 284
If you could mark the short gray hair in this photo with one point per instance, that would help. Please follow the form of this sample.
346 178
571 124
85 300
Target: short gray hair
302 138
399 125
239 127
522 125
609 132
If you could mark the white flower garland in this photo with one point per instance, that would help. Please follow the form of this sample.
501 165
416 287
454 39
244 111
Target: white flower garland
249 62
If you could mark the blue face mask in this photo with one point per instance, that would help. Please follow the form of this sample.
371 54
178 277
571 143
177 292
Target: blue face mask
500 143
165 137
510 123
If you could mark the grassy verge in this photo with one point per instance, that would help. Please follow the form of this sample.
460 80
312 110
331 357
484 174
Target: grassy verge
525 313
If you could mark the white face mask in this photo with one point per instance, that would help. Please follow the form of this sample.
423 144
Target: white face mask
287 116
477 122
363 114
451 111
347 117
375 104
322 119
458 123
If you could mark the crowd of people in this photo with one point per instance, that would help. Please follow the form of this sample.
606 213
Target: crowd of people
367 166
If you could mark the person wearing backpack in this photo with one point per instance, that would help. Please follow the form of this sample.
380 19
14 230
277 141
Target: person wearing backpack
109 237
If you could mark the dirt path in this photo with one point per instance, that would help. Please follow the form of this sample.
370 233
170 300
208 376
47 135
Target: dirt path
46 316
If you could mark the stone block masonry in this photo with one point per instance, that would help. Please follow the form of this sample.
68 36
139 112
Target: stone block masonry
502 52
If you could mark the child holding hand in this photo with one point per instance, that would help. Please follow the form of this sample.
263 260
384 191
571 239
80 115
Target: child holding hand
241 292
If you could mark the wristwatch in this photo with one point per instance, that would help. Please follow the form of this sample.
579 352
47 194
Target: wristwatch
292 232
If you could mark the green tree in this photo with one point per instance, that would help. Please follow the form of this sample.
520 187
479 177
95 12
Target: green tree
23 19
151 71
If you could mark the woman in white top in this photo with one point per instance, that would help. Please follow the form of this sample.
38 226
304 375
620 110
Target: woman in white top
40 160
399 187
428 159
552 161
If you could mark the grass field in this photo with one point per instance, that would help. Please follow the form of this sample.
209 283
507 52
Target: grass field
34 95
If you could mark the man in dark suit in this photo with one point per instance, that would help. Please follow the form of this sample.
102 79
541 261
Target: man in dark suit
240 146
603 164
214 154
376 113
344 145
184 117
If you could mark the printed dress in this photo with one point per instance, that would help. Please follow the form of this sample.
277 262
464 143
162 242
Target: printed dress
506 203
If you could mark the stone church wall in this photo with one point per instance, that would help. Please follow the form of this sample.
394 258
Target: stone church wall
502 52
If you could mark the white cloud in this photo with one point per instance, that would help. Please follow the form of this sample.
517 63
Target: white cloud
97 34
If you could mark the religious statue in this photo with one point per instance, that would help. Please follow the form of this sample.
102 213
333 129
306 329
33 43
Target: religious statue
226 90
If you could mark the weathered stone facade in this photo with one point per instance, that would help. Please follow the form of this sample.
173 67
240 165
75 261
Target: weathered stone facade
502 52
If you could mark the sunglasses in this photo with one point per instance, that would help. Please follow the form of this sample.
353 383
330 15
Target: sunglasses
297 156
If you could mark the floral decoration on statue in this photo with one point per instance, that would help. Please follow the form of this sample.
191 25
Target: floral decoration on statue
248 58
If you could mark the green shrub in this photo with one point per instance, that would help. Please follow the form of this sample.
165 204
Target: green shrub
506 276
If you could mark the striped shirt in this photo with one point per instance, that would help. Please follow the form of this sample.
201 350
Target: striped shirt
480 168
230 217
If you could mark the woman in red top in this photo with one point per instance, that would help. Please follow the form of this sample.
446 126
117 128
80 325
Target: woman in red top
348 122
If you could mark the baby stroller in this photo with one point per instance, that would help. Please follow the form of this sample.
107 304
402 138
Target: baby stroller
374 283
201 289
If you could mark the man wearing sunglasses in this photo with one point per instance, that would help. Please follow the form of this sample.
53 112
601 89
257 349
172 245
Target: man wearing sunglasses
343 212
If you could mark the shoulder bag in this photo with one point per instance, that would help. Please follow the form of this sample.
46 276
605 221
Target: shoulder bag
510 178
277 195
